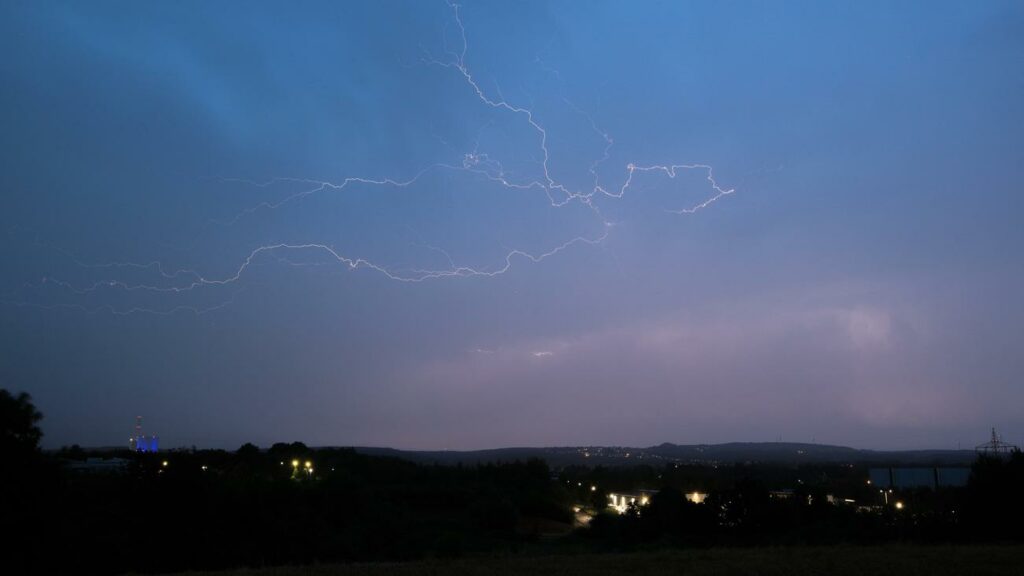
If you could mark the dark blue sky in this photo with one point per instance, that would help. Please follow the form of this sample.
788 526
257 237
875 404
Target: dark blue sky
163 164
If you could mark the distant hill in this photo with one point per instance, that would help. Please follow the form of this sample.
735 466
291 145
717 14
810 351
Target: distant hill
730 453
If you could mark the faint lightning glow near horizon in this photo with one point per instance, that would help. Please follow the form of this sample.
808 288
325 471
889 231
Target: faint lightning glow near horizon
476 163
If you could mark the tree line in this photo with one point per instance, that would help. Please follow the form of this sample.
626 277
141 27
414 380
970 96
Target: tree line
291 504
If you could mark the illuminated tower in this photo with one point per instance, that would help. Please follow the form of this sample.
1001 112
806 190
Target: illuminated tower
135 442
140 442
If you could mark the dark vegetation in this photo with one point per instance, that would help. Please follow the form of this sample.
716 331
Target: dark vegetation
897 560
213 509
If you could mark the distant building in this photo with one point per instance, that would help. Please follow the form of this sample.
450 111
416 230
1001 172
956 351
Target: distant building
621 502
933 478
697 497
145 444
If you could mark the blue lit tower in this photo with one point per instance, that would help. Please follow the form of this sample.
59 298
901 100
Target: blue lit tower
140 442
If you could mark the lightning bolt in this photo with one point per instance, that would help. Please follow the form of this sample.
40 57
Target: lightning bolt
477 163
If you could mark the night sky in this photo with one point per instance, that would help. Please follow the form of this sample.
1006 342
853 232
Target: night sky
423 226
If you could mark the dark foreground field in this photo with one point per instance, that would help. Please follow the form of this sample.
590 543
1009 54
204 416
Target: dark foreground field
796 561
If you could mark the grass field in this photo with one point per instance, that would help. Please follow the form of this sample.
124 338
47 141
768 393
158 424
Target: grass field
796 561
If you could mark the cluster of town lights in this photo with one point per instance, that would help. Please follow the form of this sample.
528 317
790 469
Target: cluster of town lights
307 466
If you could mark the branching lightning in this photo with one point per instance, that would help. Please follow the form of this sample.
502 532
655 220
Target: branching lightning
476 163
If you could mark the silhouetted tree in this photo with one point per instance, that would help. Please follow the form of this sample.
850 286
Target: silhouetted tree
23 480
669 513
995 503
286 450
19 433
73 452
248 451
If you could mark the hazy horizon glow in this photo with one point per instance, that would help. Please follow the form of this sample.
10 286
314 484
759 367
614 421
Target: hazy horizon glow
414 225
